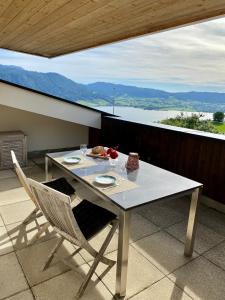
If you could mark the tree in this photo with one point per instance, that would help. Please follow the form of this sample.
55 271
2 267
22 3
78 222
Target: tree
218 116
193 122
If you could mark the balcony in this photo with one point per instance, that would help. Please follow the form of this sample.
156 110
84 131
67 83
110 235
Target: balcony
158 269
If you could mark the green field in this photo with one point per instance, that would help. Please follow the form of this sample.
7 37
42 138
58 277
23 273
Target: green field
219 126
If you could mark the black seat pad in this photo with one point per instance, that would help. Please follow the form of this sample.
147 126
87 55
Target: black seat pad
91 218
61 185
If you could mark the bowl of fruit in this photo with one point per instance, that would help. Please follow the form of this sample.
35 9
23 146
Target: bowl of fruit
101 152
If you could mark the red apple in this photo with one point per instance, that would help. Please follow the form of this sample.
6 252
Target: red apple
109 150
114 154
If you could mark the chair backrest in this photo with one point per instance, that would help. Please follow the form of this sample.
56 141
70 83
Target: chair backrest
22 177
56 207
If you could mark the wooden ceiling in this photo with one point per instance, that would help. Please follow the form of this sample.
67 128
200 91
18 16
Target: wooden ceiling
54 27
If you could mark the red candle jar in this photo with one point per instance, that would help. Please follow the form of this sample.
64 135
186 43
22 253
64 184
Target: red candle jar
133 161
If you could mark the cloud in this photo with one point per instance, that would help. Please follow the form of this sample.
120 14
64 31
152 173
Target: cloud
187 58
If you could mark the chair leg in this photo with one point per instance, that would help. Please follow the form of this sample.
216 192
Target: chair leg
43 228
107 261
32 216
96 261
40 214
52 253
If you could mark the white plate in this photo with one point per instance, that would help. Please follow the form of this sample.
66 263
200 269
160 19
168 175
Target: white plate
72 159
105 179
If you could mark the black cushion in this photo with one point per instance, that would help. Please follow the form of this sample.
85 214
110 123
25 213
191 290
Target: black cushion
91 218
61 185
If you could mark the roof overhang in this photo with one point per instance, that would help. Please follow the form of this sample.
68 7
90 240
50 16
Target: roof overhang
18 97
51 28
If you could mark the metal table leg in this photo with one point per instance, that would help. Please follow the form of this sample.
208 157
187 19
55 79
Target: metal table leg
122 256
48 166
192 223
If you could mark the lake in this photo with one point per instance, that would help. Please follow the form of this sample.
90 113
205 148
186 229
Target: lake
146 116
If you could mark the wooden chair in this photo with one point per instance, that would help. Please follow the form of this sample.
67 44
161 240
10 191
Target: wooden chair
59 184
76 225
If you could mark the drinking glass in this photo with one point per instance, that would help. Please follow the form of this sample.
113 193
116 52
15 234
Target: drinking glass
122 167
83 148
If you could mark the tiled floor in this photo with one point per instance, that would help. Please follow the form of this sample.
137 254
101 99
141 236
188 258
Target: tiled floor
157 270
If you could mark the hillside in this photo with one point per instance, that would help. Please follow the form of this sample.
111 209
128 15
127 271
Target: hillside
119 90
50 83
103 93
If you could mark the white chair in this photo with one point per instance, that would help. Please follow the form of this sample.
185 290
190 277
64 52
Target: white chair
59 184
77 225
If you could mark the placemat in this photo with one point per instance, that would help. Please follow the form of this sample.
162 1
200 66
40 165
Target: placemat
122 184
84 163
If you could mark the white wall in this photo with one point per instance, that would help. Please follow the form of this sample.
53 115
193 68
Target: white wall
43 132
33 102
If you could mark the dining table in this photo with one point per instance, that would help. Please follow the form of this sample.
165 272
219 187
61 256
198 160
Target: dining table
131 189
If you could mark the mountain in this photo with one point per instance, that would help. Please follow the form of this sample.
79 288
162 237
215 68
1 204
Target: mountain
201 96
50 83
103 93
119 90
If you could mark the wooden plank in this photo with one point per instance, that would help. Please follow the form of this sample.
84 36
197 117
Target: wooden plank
21 17
54 27
12 11
58 19
87 18
39 20
3 5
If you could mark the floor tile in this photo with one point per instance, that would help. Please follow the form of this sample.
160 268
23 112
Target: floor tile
32 170
180 205
39 161
65 286
12 279
21 234
30 163
35 173
56 172
16 212
1 221
97 242
213 219
160 214
141 227
217 255
33 258
163 250
162 290
26 295
201 279
205 239
7 174
5 242
8 184
13 196
141 273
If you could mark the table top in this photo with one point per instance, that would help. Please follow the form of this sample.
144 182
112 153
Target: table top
153 183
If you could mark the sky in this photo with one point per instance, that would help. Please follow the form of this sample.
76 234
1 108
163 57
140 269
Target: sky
185 59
